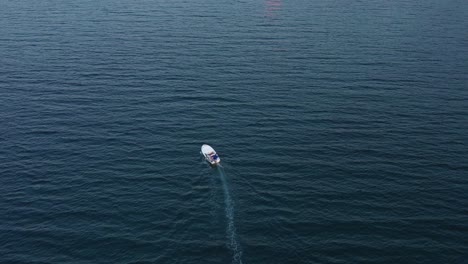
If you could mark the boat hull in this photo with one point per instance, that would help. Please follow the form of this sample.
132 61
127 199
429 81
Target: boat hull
208 152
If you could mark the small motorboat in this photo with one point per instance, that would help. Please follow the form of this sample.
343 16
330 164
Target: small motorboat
210 155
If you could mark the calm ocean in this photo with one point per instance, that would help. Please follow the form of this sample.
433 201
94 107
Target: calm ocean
342 127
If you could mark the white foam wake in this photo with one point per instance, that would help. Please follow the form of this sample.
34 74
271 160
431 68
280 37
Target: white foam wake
231 228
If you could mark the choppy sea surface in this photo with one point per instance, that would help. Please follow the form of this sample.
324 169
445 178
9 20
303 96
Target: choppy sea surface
342 127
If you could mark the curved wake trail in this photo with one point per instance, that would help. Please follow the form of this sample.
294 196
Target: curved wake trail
231 228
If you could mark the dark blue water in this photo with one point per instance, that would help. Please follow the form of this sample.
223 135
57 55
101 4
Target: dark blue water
342 128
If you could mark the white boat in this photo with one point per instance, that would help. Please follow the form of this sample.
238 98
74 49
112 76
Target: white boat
210 154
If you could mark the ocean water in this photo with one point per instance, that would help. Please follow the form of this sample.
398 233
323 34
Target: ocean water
342 127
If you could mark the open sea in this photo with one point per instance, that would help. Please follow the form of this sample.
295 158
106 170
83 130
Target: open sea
342 127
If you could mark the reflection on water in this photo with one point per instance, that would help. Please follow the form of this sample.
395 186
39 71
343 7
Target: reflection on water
272 7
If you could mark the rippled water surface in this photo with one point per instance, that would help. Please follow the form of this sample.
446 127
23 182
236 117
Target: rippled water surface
342 128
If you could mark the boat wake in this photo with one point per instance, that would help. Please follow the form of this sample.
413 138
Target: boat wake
231 228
